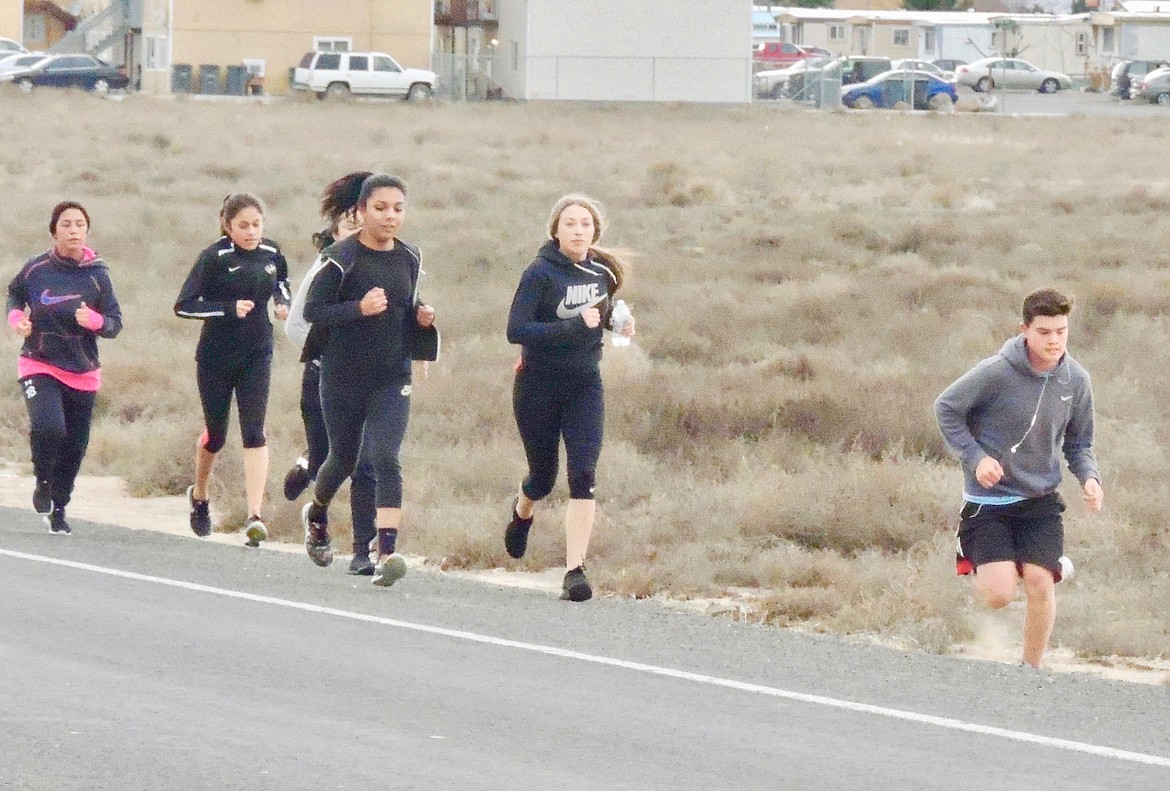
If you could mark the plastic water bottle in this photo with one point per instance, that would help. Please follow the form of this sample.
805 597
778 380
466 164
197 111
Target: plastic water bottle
618 321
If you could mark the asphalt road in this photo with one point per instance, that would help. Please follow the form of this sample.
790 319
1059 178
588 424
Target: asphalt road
134 660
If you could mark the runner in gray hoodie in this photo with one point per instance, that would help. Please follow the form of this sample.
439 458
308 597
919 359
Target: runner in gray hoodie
1008 420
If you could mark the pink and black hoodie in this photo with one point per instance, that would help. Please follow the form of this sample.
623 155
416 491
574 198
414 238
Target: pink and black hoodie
51 288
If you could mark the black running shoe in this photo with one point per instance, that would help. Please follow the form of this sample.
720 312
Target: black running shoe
256 531
315 520
516 534
297 480
200 514
361 566
42 502
56 522
576 587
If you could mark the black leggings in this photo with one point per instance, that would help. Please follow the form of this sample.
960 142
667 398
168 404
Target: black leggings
315 433
362 484
554 404
367 419
248 377
59 418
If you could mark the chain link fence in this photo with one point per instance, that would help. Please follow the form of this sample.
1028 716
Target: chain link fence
466 78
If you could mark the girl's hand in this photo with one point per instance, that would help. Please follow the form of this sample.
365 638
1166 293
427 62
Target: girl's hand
628 330
23 327
374 302
83 316
591 317
281 312
244 307
426 315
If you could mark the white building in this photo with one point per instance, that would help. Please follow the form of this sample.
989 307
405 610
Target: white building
625 50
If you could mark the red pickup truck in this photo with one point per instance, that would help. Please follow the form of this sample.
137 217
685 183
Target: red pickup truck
779 53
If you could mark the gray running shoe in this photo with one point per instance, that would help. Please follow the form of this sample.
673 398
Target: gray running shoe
256 531
315 521
390 569
361 566
576 587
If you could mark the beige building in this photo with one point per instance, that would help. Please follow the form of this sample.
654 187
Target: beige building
223 33
12 19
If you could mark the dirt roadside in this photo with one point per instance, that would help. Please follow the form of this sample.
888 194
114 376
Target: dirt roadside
104 500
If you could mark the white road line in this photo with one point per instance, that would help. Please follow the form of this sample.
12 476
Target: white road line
683 675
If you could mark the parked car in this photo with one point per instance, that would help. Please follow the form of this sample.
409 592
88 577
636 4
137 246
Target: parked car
918 89
1154 87
909 64
9 47
983 75
858 69
1127 74
948 64
779 53
789 82
70 71
20 61
339 74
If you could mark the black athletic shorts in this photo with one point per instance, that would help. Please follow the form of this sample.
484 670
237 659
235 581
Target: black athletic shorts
1030 531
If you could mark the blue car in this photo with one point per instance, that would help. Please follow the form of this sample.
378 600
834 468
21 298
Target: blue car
917 89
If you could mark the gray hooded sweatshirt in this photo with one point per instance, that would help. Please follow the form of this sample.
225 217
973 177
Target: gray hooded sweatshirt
1005 409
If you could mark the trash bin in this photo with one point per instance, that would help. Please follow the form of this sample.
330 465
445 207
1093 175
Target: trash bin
181 78
237 80
209 79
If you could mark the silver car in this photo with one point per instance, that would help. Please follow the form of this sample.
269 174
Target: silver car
983 75
1153 87
910 64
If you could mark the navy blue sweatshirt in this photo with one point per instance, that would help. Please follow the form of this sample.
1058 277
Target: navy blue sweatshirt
52 288
223 275
369 348
545 318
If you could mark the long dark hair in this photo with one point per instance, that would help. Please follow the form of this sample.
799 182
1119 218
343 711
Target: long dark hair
339 199
377 182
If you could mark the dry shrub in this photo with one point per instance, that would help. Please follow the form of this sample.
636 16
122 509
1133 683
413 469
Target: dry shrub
671 184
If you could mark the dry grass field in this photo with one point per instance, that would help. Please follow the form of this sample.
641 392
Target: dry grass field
805 285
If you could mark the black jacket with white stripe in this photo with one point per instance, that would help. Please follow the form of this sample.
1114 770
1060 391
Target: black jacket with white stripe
545 318
223 275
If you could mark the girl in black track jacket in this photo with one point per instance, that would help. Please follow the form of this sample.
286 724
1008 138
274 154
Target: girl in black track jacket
564 299
60 303
228 289
366 298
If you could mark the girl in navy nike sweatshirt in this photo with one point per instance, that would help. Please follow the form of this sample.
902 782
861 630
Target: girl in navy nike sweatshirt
60 302
228 290
563 302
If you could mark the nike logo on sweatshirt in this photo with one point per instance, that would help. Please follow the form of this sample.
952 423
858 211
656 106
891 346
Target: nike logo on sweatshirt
49 299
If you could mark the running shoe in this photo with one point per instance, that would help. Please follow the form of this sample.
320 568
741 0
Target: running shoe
42 502
361 565
1066 568
576 587
256 531
516 534
315 520
200 514
391 568
56 521
297 480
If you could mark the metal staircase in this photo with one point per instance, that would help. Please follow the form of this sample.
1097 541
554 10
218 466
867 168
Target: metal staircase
99 33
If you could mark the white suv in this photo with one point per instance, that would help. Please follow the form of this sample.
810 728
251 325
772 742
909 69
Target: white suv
340 74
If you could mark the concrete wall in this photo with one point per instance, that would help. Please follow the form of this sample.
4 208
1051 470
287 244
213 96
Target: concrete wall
510 66
1144 42
224 32
12 19
636 50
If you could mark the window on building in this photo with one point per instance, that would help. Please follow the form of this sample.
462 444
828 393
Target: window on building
34 28
158 53
515 56
798 33
1107 39
836 32
1082 43
928 40
902 37
332 43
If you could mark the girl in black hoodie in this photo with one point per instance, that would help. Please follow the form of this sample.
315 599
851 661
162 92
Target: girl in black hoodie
563 302
60 302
